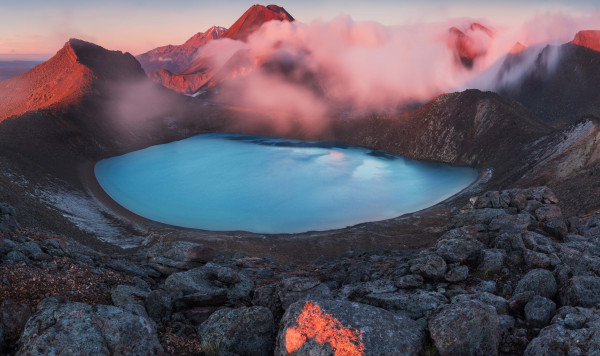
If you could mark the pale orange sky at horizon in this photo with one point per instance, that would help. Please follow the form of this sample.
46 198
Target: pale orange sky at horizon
30 31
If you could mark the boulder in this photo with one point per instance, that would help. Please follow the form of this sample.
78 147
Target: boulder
457 274
539 281
242 331
521 221
8 221
499 303
210 284
465 328
539 311
574 331
581 291
477 217
410 281
294 289
333 327
66 328
169 257
430 266
491 261
458 250
414 304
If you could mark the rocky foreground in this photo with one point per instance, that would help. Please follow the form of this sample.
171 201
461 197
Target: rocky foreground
510 276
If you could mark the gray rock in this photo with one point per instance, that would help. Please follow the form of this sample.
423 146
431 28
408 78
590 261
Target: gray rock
457 274
539 311
534 259
158 305
169 257
33 251
538 243
498 303
67 328
8 221
517 303
539 281
294 289
267 296
458 250
476 217
582 337
521 221
6 246
414 304
430 266
491 261
14 257
242 331
339 327
410 281
124 294
465 328
509 242
210 284
581 291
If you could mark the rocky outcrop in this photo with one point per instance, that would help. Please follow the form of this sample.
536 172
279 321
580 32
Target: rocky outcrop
243 331
169 257
318 327
81 329
588 39
465 328
490 296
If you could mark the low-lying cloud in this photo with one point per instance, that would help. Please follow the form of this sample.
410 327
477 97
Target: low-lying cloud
327 68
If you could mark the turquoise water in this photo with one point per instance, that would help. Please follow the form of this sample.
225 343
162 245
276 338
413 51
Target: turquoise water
268 185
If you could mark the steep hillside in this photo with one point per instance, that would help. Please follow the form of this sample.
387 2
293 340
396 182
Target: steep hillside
560 86
175 58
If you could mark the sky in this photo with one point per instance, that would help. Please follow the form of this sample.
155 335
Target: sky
36 29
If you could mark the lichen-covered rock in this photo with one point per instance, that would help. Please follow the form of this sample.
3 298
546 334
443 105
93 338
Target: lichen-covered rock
430 266
491 261
581 291
521 221
539 281
242 331
477 216
499 303
574 331
539 311
169 257
410 281
332 327
458 250
210 284
457 274
465 328
66 328
414 304
294 289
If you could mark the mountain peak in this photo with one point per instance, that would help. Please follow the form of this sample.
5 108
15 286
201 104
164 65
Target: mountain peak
588 38
253 18
517 47
66 77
